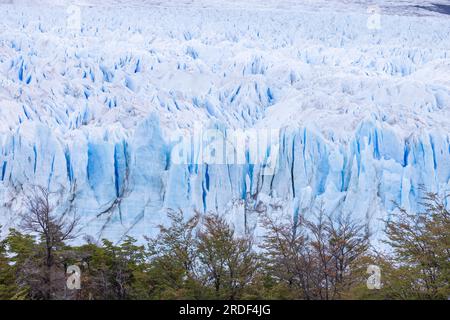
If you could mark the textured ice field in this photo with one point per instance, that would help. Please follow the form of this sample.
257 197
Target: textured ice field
359 98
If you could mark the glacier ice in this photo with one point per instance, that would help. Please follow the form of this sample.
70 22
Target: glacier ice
362 116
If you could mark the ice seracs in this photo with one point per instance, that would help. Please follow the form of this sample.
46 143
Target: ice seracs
362 116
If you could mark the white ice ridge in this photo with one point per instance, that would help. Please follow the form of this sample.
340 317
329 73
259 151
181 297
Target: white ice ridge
362 111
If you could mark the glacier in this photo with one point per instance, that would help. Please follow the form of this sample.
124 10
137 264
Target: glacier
361 115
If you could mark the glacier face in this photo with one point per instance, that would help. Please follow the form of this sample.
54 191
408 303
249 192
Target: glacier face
361 114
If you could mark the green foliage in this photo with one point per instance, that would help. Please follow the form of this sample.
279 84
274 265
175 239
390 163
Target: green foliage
20 252
321 258
7 278
202 257
173 256
113 271
419 265
227 262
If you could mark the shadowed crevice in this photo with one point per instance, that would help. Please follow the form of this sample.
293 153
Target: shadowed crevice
435 7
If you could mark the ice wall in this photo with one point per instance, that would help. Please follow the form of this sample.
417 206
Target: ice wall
361 115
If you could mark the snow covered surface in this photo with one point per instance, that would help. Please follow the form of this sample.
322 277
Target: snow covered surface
103 95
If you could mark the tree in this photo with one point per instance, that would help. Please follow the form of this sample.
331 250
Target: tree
338 245
122 262
7 279
22 260
419 265
228 262
173 255
113 272
285 257
52 217
319 258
